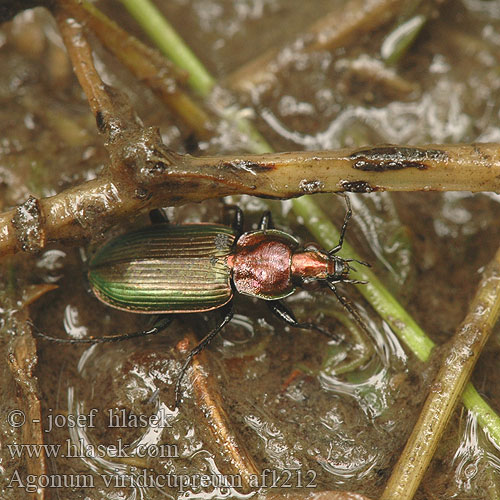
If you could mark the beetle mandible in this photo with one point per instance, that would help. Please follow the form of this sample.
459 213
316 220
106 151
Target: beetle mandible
166 269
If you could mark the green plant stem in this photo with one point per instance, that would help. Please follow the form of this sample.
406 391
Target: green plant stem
374 292
398 42
320 226
390 309
485 414
200 80
171 44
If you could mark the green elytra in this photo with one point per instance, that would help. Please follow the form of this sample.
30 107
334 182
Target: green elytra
165 269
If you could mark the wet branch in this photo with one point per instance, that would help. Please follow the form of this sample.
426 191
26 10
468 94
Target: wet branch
209 401
144 174
456 369
22 360
146 64
383 301
99 97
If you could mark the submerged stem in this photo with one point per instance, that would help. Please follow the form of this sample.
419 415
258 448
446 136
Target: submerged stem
209 401
336 29
456 369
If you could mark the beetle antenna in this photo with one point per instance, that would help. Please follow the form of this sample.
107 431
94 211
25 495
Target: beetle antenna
347 216
362 262
346 303
161 325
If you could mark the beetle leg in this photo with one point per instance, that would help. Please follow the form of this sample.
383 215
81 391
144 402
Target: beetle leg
158 216
237 222
348 306
157 328
266 222
284 313
228 315
347 216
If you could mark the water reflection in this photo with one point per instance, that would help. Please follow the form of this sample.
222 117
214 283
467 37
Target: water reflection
140 447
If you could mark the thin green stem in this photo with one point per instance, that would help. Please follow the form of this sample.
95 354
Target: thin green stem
390 309
485 414
200 80
171 44
374 292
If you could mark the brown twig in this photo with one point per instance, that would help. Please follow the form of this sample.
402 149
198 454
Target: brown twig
370 71
448 386
98 94
208 399
337 29
146 64
145 175
22 357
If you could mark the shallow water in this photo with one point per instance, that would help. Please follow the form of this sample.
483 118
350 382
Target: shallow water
279 386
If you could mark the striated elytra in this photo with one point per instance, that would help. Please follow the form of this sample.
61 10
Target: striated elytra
165 269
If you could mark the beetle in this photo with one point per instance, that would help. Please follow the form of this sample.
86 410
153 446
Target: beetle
167 269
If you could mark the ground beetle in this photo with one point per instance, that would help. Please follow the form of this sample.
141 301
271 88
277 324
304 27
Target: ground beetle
166 269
